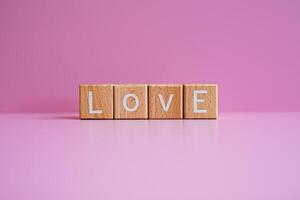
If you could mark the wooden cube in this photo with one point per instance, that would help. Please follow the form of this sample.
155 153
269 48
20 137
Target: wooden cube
165 102
200 101
96 101
130 102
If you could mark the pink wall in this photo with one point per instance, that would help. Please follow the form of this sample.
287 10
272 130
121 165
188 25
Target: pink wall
250 48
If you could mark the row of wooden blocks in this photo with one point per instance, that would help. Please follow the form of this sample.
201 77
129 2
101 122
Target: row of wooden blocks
137 101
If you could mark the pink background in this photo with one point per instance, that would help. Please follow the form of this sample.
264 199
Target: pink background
250 48
240 156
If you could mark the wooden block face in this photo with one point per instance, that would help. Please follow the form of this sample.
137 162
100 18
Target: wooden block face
200 101
165 101
130 102
96 101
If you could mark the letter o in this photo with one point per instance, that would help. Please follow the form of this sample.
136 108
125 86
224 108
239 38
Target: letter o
137 102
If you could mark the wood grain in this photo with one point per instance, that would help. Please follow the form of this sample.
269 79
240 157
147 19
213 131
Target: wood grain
160 96
141 92
210 101
102 99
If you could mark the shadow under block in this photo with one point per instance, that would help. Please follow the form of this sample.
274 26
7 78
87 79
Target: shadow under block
200 101
96 101
165 101
130 102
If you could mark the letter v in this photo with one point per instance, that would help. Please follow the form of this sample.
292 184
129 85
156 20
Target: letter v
165 107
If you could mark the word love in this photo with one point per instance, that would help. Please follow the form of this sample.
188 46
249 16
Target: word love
174 101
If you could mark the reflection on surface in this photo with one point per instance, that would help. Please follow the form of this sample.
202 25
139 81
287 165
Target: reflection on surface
239 156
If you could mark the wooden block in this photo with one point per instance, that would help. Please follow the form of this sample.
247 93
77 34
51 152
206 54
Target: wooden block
200 101
165 102
130 102
96 101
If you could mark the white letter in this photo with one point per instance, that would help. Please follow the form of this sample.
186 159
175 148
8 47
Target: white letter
166 108
196 101
91 111
137 103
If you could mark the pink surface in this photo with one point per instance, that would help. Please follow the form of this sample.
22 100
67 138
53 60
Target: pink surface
240 156
250 48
